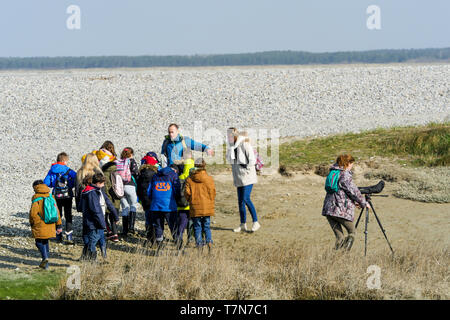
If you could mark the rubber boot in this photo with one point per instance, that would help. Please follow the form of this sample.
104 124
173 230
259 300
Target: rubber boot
131 221
348 243
84 253
125 225
103 250
92 256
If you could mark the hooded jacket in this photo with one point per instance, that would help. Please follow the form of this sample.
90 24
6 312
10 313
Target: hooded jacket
188 165
57 169
173 150
242 159
341 204
146 173
201 193
164 190
107 169
93 216
39 228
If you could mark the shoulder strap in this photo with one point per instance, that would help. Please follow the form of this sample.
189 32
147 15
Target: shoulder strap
165 144
37 199
183 143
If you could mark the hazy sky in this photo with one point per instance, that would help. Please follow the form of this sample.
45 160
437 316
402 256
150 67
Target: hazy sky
148 27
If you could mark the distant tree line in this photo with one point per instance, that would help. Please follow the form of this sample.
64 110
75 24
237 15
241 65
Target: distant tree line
241 59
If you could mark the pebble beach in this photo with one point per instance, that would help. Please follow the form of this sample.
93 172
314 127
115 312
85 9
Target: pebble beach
46 112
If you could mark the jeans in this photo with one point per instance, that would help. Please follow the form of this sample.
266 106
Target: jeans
158 218
202 224
243 200
129 200
44 249
96 236
66 204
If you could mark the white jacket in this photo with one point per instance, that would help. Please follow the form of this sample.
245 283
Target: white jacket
242 159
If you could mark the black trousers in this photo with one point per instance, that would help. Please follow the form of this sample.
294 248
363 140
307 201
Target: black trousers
65 205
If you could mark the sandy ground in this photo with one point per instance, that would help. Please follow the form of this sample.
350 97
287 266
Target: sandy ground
289 209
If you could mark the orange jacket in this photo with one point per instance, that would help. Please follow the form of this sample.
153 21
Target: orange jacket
39 228
200 192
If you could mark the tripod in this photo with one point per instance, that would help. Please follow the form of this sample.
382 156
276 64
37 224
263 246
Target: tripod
368 199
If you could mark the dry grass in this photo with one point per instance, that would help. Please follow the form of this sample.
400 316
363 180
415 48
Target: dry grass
426 185
287 271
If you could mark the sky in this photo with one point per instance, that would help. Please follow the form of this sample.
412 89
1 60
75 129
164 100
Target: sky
30 28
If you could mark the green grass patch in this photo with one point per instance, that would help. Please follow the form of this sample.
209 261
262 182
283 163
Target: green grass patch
415 146
34 285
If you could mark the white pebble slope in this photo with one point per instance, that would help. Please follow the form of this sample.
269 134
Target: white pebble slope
46 112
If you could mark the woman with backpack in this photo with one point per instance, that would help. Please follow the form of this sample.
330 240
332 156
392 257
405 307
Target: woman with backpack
129 171
340 200
242 158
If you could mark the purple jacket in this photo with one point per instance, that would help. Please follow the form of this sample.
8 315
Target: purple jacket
341 204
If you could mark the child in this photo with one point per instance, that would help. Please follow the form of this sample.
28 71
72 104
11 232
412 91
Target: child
62 179
40 230
94 202
163 192
200 192
149 166
128 170
183 205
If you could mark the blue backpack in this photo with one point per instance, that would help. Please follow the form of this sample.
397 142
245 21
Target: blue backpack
331 183
50 209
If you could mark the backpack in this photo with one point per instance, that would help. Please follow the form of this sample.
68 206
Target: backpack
123 168
259 161
331 183
50 209
61 189
117 185
182 202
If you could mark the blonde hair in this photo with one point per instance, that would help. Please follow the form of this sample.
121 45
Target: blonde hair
235 133
89 167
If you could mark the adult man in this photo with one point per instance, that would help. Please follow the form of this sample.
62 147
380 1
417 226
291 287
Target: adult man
174 145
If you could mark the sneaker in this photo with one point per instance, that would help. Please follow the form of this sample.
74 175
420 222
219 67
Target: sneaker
69 237
44 264
242 226
255 226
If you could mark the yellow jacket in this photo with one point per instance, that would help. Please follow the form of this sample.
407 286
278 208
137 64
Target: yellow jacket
188 165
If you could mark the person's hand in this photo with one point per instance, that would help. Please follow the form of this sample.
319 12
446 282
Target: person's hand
58 231
367 205
210 152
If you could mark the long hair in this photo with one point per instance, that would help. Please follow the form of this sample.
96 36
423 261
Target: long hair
90 166
126 153
108 145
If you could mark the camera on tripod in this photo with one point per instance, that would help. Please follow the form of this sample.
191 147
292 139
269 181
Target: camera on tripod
368 192
372 189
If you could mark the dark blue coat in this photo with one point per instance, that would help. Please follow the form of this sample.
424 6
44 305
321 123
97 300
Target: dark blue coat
164 190
93 217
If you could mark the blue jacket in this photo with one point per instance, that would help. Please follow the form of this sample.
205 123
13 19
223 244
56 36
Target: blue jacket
164 190
56 169
173 150
93 217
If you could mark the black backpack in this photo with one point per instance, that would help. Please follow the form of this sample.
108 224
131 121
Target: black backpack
182 202
61 189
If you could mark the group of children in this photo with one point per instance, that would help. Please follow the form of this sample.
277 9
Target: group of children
183 195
